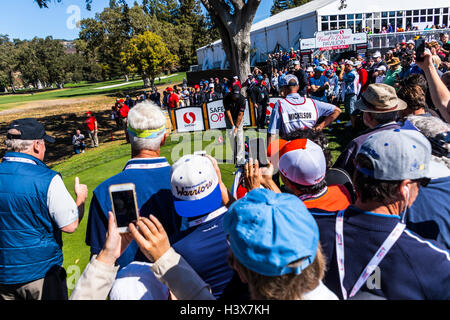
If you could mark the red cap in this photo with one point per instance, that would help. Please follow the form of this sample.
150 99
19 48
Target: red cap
121 101
197 86
169 89
88 112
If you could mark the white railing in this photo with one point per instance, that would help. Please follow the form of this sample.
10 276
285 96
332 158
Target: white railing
388 40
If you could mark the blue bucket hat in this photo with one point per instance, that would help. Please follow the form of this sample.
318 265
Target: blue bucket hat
269 232
397 155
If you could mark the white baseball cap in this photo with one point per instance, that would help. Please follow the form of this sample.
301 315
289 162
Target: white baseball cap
377 54
291 78
211 85
323 62
195 186
235 77
310 69
301 161
411 42
382 68
296 62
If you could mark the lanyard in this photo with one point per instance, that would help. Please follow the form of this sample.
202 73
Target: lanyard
373 263
146 165
18 159
208 217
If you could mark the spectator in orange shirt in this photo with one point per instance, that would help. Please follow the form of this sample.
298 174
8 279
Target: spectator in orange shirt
302 166
92 125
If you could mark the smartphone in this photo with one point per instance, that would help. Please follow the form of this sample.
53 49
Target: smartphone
420 49
200 153
257 150
124 204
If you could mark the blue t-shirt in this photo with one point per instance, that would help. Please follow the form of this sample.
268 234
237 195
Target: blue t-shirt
154 196
413 269
205 248
429 216
318 82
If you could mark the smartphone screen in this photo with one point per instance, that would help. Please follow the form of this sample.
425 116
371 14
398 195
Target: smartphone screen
420 49
124 207
258 151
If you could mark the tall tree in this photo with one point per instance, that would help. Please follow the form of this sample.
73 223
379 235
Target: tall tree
281 5
148 56
234 19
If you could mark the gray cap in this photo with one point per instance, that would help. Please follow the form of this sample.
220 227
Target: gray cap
291 80
397 155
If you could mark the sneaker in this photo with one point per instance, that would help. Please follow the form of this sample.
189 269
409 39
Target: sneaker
82 151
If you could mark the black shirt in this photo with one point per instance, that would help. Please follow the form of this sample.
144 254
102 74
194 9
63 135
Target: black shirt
235 107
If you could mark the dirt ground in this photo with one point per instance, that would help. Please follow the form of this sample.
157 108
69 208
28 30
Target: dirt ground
61 118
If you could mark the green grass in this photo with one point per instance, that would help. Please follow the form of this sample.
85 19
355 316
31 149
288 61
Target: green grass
83 89
97 165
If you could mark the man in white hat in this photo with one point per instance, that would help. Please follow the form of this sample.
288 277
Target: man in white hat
377 61
350 90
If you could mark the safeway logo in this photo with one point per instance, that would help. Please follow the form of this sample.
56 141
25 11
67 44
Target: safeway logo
189 117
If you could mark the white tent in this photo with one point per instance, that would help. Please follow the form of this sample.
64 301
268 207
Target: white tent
285 29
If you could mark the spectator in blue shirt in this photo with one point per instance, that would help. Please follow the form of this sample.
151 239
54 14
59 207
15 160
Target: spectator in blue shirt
196 188
429 216
319 84
148 171
367 246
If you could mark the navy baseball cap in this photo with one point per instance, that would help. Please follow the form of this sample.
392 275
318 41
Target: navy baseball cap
30 129
272 233
397 155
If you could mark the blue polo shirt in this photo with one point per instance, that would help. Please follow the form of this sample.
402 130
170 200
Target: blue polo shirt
413 269
205 248
429 216
153 191
318 82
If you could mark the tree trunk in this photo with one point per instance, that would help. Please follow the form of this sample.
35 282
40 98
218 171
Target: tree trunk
234 27
146 82
38 85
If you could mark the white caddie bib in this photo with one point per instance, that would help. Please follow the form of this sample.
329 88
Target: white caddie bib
297 114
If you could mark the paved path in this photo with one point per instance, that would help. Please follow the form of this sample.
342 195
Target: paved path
127 83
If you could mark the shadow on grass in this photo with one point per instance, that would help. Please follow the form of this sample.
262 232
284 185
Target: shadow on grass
62 127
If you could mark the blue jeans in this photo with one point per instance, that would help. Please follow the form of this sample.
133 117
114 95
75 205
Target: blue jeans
79 148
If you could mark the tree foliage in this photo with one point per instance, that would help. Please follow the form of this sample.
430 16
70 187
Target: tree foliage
148 56
281 5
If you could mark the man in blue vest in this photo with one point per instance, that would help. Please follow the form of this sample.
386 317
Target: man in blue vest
35 207
150 174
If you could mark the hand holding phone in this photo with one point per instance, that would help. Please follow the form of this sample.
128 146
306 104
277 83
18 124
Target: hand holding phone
124 205
420 49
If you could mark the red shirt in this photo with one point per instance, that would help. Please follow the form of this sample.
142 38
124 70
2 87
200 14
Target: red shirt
124 111
173 100
91 123
237 83
363 77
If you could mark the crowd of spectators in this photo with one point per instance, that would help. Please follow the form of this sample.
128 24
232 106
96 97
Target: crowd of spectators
379 231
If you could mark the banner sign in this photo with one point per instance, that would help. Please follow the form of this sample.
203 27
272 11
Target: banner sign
216 115
333 40
189 119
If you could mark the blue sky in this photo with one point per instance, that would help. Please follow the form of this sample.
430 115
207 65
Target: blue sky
23 19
